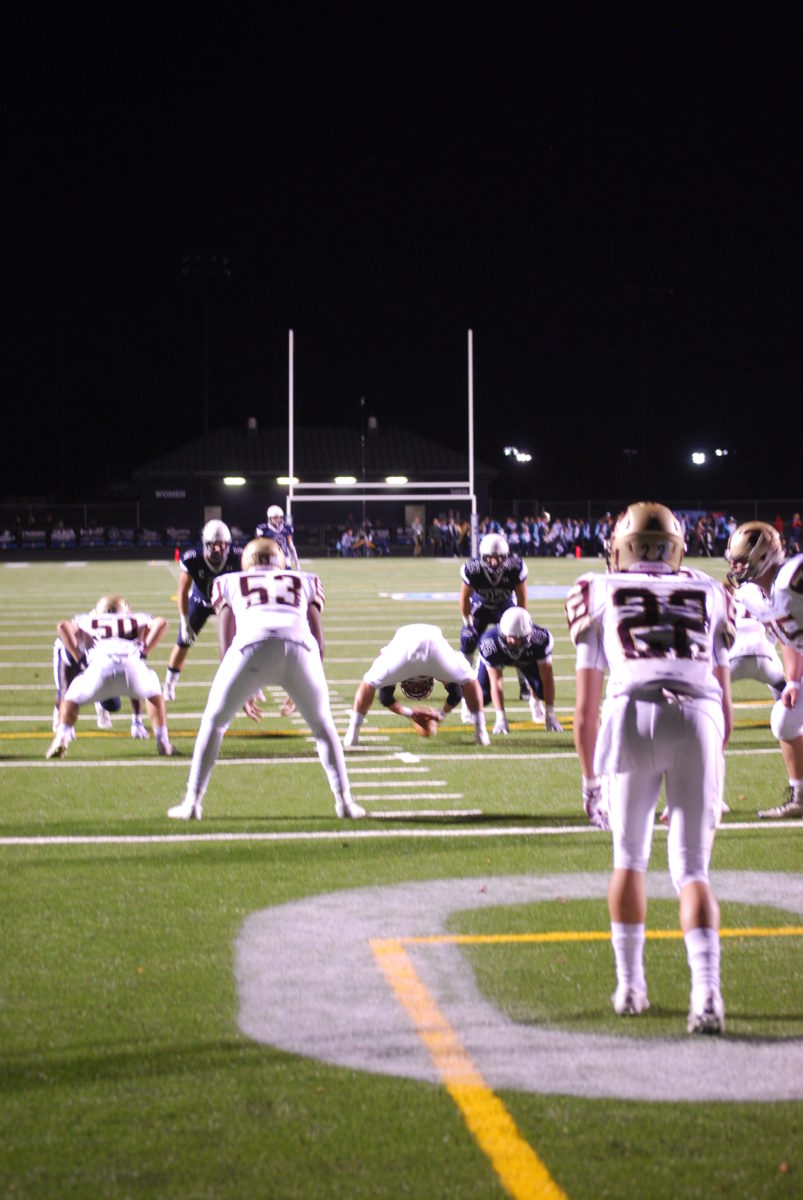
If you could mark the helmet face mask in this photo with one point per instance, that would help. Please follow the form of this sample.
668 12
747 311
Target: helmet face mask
754 548
275 517
263 553
216 539
494 551
418 687
112 604
515 627
646 536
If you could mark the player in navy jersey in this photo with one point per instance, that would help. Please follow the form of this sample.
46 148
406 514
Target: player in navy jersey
199 568
490 583
517 642
281 530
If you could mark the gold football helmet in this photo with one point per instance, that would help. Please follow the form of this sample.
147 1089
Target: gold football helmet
752 550
112 604
644 533
263 552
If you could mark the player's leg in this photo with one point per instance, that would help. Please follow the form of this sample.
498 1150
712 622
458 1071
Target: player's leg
198 613
302 677
787 725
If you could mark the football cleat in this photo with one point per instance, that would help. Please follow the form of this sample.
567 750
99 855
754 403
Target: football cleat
104 717
167 750
791 808
481 736
709 1018
190 809
537 711
629 1001
56 718
58 747
347 809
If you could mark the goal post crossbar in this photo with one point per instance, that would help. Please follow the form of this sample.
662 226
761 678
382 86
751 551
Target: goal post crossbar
322 498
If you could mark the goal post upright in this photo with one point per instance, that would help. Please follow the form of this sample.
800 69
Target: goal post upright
290 419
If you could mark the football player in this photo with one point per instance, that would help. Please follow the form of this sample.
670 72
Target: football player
516 642
756 556
415 657
270 631
65 669
664 634
111 643
280 530
199 567
490 583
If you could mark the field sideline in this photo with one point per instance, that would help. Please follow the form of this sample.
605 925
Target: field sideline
278 1004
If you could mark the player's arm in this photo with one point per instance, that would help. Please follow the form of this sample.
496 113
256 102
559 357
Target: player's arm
586 716
466 592
292 555
723 676
793 670
495 681
186 633
547 676
316 625
72 639
152 635
226 627
520 592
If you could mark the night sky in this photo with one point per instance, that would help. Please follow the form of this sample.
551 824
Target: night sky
609 198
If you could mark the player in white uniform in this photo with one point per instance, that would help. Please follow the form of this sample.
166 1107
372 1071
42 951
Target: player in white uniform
664 634
414 658
269 627
753 654
756 556
114 642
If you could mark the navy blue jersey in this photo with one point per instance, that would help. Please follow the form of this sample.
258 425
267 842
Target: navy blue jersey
537 648
493 595
202 575
280 535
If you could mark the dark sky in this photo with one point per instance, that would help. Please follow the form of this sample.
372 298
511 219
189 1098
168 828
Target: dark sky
609 199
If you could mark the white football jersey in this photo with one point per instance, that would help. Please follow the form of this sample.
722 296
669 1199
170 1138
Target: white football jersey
652 630
752 635
113 634
786 603
268 603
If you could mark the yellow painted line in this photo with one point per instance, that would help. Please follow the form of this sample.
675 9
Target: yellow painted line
519 1168
591 935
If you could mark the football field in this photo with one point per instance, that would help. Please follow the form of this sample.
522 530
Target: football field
274 1003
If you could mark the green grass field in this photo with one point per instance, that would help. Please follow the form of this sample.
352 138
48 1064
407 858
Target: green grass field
459 935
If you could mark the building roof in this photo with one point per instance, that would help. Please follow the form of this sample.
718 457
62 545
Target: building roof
319 453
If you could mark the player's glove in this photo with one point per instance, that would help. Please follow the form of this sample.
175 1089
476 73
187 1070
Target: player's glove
468 640
138 730
187 634
500 724
551 722
595 804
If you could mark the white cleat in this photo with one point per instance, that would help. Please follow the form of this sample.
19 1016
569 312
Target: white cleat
190 809
628 1001
709 1018
537 711
792 806
58 747
347 809
103 716
169 688
56 718
167 750
481 737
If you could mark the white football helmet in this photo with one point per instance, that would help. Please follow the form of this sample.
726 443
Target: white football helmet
753 549
515 626
646 534
112 604
418 687
263 552
275 517
216 539
494 551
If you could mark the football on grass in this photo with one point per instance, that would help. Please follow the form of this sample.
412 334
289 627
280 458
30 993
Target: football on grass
426 727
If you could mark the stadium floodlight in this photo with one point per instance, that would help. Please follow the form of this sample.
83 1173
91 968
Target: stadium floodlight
234 480
345 480
284 480
521 456
396 480
699 458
